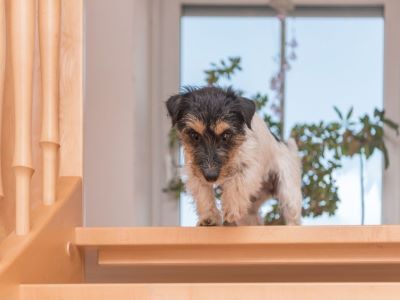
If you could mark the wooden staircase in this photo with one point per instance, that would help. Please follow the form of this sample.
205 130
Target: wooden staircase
244 262
59 259
343 262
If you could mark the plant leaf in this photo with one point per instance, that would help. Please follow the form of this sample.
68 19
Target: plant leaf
385 156
392 125
338 112
349 113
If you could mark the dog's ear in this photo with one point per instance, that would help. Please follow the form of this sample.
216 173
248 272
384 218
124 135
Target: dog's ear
247 108
173 107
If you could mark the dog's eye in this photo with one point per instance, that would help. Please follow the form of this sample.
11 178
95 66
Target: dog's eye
226 136
194 135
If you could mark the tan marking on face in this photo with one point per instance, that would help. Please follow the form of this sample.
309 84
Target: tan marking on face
195 124
220 127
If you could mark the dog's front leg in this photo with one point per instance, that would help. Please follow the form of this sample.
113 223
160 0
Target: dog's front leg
203 195
235 202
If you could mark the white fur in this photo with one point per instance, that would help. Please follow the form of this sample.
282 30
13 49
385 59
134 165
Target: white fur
261 154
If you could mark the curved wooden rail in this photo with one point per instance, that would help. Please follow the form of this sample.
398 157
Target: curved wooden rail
22 48
49 41
2 73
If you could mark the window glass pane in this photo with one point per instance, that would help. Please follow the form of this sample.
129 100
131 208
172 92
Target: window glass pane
340 62
205 40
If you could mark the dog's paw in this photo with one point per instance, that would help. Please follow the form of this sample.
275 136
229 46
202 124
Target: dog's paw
208 222
293 222
226 223
234 214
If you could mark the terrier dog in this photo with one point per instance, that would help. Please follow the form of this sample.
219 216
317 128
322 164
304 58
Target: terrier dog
227 145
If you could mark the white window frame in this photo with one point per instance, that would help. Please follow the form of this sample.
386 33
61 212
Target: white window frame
166 20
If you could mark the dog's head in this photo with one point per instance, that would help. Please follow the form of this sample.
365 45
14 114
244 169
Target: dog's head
211 123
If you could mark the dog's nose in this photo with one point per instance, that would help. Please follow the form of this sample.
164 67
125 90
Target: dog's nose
211 174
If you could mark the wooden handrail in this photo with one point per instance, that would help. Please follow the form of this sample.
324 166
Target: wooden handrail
49 42
2 73
22 48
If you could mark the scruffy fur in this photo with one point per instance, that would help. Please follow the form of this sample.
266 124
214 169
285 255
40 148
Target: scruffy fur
226 144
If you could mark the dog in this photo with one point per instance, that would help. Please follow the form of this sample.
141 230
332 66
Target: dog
227 144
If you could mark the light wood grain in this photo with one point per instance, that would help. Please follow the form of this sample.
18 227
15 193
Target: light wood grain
247 235
251 255
220 254
71 88
22 47
8 205
253 291
41 255
70 111
49 42
96 273
2 76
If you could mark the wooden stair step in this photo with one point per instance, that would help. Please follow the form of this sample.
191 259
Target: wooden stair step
247 254
246 235
212 291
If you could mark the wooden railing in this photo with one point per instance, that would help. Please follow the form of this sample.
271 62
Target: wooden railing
22 46
49 40
40 142
23 19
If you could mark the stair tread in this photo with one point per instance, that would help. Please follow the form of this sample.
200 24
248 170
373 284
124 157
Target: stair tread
247 254
204 291
243 246
248 235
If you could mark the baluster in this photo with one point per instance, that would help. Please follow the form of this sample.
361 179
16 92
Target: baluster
2 73
22 47
49 42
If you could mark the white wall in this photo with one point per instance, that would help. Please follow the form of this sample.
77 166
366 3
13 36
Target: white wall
117 140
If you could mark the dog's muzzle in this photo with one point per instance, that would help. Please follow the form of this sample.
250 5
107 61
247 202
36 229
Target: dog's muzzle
211 174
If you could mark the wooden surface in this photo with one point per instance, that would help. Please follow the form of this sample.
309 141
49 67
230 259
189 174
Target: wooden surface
253 291
95 273
22 49
71 102
71 88
40 256
247 235
22 31
2 77
49 44
259 255
247 254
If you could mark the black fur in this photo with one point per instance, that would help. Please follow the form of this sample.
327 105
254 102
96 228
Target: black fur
173 104
210 105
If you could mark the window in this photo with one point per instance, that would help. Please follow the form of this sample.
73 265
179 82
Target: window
339 62
206 40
